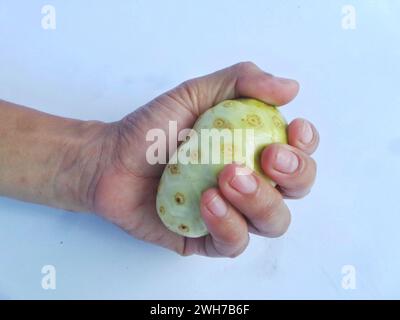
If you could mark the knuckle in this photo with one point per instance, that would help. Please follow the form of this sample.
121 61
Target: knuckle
232 238
185 94
279 228
184 253
183 250
313 165
271 218
196 91
299 195
313 171
240 250
284 226
235 254
279 231
188 84
308 174
303 186
245 66
269 206
189 88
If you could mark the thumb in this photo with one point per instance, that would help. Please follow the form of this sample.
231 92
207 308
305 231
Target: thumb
244 79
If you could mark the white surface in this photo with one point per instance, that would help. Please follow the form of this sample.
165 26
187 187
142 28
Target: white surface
106 58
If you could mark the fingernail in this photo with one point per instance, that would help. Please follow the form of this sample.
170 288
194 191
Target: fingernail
217 207
286 161
246 184
307 133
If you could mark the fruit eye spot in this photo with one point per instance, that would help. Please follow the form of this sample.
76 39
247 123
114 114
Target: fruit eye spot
228 104
173 168
162 210
254 120
221 124
183 228
227 149
179 198
194 156
278 123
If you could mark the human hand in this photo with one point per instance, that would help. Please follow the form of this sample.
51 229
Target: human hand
124 185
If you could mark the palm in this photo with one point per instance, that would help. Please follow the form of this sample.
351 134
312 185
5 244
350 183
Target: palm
127 189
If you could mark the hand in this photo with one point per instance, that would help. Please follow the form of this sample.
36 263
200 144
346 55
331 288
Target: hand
124 185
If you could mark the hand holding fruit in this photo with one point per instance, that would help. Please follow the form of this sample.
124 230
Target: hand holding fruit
126 184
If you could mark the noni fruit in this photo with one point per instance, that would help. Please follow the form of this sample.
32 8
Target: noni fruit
232 131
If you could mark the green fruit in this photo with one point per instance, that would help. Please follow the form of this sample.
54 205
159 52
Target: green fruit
182 183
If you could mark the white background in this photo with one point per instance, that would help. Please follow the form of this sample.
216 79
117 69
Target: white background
106 58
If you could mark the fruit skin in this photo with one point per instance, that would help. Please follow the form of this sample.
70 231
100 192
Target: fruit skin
181 184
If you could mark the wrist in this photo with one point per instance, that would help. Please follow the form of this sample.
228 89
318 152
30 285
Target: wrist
51 160
86 152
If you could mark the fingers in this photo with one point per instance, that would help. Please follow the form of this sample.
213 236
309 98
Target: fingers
292 169
243 203
244 79
303 135
228 229
256 199
248 196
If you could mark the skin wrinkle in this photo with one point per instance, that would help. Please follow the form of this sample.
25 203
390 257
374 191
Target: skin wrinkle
174 96
136 227
102 160
121 140
93 181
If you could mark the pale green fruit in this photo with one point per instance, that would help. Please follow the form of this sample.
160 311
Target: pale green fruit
181 185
